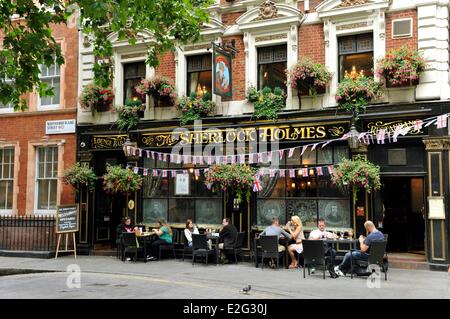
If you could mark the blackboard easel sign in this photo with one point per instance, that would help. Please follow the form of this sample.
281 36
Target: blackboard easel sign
66 224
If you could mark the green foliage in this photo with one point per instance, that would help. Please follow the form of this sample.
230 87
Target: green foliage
194 107
235 178
357 173
78 174
267 103
355 93
128 115
30 42
121 180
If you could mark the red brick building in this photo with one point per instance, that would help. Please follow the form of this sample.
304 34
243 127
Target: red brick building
270 37
37 145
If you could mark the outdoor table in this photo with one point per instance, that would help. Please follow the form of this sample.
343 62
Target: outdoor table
282 241
215 241
353 243
146 238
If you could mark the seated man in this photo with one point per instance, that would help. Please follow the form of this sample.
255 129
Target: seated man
228 235
276 230
364 242
320 234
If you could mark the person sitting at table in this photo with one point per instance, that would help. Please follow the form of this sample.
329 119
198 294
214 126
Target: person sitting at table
295 228
276 230
227 235
362 254
125 226
320 234
189 230
164 234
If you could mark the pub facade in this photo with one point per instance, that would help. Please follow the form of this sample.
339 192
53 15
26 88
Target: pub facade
267 38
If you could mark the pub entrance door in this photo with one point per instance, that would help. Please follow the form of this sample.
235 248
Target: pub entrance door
108 209
404 208
240 217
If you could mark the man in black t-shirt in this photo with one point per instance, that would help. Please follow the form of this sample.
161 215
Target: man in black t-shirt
228 235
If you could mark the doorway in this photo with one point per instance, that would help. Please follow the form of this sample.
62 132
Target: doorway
403 202
238 213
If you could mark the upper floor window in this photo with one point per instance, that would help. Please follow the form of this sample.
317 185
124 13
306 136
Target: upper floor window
46 177
9 105
272 63
132 74
356 54
6 177
52 76
199 74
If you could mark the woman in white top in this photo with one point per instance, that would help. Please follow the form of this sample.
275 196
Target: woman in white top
295 228
189 230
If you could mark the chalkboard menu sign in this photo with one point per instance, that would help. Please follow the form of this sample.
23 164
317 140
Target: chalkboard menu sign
67 219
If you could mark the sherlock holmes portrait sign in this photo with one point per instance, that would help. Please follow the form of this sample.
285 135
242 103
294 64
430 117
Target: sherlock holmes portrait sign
222 72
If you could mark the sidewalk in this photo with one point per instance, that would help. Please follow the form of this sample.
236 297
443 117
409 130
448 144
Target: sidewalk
178 279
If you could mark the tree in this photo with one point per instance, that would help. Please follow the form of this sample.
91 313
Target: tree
28 42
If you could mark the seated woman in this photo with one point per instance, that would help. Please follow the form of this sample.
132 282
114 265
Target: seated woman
164 234
188 231
125 226
295 228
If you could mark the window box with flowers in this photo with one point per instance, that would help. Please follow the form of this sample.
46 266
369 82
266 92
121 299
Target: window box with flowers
267 103
357 174
356 91
310 79
96 98
400 71
194 107
80 175
234 179
160 88
118 180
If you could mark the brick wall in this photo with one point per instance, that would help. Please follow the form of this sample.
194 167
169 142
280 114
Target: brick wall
311 42
396 43
230 18
167 66
238 73
312 5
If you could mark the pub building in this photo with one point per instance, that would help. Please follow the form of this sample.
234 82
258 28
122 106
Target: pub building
268 38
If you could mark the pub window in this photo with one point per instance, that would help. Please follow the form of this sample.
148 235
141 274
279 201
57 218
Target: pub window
52 76
199 74
6 178
46 177
356 55
272 63
132 74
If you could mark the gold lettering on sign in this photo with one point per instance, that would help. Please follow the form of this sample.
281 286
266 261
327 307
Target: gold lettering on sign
107 142
373 127
336 131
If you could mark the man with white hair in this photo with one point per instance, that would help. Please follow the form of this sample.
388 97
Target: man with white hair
362 254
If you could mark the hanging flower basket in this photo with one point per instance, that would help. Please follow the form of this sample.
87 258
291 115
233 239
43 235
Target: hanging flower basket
194 107
355 174
96 98
401 67
119 180
129 115
308 77
267 103
160 88
235 178
80 175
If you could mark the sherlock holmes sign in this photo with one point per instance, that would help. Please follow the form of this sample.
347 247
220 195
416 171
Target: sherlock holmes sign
286 133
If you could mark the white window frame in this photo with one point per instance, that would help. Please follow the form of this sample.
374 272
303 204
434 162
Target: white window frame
402 36
36 178
9 108
59 75
8 211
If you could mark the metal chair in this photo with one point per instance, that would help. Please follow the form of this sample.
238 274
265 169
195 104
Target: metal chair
377 251
269 249
130 244
200 247
186 247
314 254
237 248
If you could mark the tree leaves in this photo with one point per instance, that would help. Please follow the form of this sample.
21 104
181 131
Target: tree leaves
28 40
